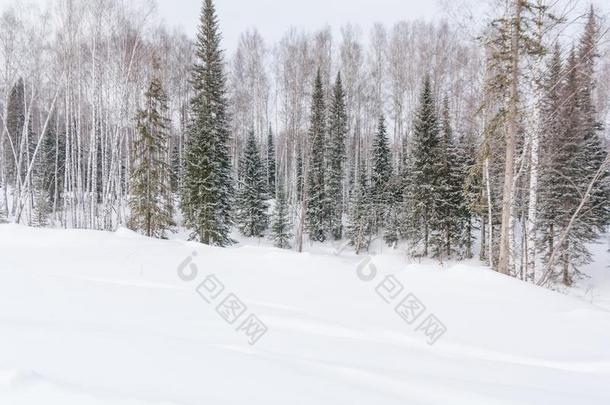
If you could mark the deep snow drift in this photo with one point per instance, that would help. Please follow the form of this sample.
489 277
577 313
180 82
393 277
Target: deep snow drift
103 318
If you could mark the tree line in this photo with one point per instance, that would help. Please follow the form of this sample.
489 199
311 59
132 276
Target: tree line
427 139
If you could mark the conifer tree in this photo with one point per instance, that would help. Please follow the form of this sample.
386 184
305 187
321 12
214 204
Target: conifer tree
472 191
176 165
451 203
252 218
359 227
281 228
207 190
48 175
553 107
567 160
381 173
574 157
393 223
317 204
270 166
337 134
299 174
151 198
593 148
424 166
15 123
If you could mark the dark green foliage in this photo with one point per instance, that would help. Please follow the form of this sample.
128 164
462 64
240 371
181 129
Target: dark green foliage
571 158
472 192
270 166
49 174
15 123
424 169
281 227
252 218
552 140
151 199
207 190
299 174
381 172
393 223
317 204
176 164
359 227
453 212
337 133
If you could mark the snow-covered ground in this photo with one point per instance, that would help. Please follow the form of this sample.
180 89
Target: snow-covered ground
104 318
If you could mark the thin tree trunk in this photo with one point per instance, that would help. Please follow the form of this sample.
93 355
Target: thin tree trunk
511 135
535 131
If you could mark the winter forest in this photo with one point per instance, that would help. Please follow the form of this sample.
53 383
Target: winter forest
423 136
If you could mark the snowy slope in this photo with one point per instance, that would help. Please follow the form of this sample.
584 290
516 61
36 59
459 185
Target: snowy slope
103 318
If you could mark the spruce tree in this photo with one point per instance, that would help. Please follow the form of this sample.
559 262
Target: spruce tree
568 160
553 107
451 203
317 204
15 123
252 218
48 174
151 200
281 228
471 191
381 173
594 147
270 166
359 227
574 156
207 188
299 174
176 164
393 223
337 134
423 216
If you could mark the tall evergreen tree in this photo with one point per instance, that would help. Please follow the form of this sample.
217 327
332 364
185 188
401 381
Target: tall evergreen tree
393 218
424 168
594 147
252 218
208 190
15 124
299 174
281 228
337 134
176 164
270 166
451 203
381 173
359 227
151 197
553 107
49 174
472 190
317 204
576 150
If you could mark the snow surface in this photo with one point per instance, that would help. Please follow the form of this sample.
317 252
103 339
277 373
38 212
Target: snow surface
103 318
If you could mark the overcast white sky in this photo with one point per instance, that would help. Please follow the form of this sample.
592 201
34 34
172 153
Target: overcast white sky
274 17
